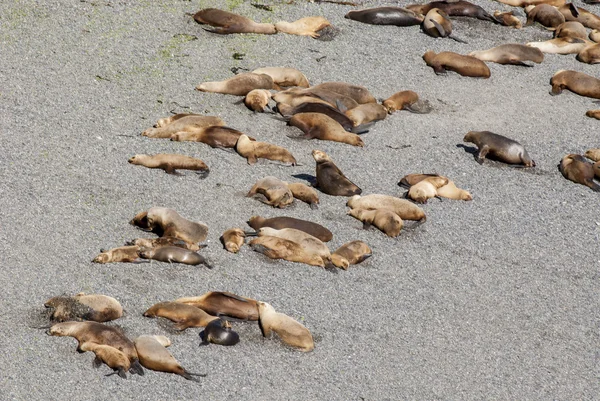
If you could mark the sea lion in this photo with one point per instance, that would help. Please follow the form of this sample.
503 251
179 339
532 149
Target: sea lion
450 190
170 163
257 100
593 114
426 188
525 3
184 315
285 76
454 8
252 151
406 100
188 123
511 53
163 241
595 35
323 127
366 113
577 169
233 239
239 85
571 29
385 220
437 24
351 253
99 333
281 248
224 304
573 13
593 154
314 229
508 19
174 254
213 136
576 82
544 14
403 208
219 332
95 307
275 192
224 22
289 330
590 54
596 168
295 97
499 148
166 222
122 254
309 243
341 101
288 112
330 179
308 26
561 45
359 93
386 16
168 120
112 357
305 194
154 356
467 66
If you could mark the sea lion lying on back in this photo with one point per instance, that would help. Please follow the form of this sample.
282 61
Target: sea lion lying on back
225 22
577 169
239 85
314 229
512 53
386 16
467 66
499 148
576 82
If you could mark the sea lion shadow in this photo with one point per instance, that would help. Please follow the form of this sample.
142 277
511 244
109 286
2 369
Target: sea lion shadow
469 149
312 180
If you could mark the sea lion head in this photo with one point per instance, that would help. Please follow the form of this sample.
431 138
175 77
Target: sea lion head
320 156
62 329
469 136
340 261
101 258
137 159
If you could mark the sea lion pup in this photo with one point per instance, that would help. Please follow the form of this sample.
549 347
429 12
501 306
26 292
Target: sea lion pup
386 16
309 243
275 192
239 85
224 22
590 55
595 35
174 254
454 8
224 304
305 194
359 93
283 76
257 100
512 53
385 220
406 100
576 82
110 356
593 114
170 163
561 45
577 169
314 229
154 356
233 239
219 332
183 315
281 248
102 334
351 253
254 150
573 13
508 19
163 241
499 148
288 112
593 154
403 208
330 179
289 330
214 136
94 307
122 254
166 222
426 188
525 3
467 66
437 24
572 29
323 127
544 14
184 124
308 26
366 113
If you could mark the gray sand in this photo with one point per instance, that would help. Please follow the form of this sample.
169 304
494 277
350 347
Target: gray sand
495 298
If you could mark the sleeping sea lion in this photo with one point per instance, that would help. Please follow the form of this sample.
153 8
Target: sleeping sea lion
508 19
593 154
285 76
94 307
163 241
225 22
239 85
351 253
274 192
309 243
359 93
213 136
467 66
219 332
366 113
112 357
233 239
406 100
577 82
403 208
281 248
571 29
573 13
308 26
561 45
186 123
304 193
590 54
454 8
224 304
122 254
385 220
499 148
577 169
154 356
511 53
320 126
450 190
257 100
170 163
166 222
288 112
386 16
183 315
174 254
426 188
544 14
437 24
330 179
314 229
254 150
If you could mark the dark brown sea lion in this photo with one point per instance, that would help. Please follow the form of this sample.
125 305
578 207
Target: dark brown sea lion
403 208
386 16
170 163
166 222
576 82
214 136
458 8
406 100
312 107
94 307
239 85
499 148
281 248
186 123
219 332
510 53
233 239
174 254
154 356
122 254
289 330
467 66
320 126
351 253
314 229
224 304
254 150
274 192
330 179
544 14
577 169
183 315
225 22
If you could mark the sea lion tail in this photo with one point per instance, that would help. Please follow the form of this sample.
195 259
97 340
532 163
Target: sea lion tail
136 368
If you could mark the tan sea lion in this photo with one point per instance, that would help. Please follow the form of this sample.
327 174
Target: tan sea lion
225 22
186 123
426 188
366 113
341 101
168 120
163 241
308 242
450 190
525 3
323 127
294 97
593 154
403 208
239 85
406 100
511 53
184 315
571 29
454 8
544 14
214 136
254 150
360 94
596 168
385 220
590 55
330 179
577 82
573 13
351 253
285 76
257 100
224 304
219 332
508 19
308 26
561 45
288 112
289 330
577 169
112 357
437 24
467 66
174 254
304 193
280 248
314 229
386 16
166 222
94 307
595 35
275 192
122 254
154 356
498 147
233 239
170 163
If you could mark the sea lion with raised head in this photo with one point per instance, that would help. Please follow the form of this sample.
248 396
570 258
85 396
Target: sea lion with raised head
571 29
508 19
498 147
153 355
224 22
330 179
454 8
183 315
304 193
94 307
437 24
274 192
314 229
110 356
545 15
239 85
289 330
213 136
467 66
426 189
285 76
166 222
510 53
308 26
590 54
254 150
224 304
577 82
257 100
577 169
351 253
386 16
174 254
170 163
233 239
323 127
403 208
406 100
561 45
366 113
186 123
219 332
385 220
281 248
122 254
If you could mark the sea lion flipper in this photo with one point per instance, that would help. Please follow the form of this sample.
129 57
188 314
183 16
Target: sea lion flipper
574 10
202 173
314 206
340 106
136 368
204 343
482 153
366 225
439 28
97 362
121 373
213 29
516 61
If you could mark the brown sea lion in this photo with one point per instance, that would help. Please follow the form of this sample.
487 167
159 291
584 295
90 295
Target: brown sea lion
525 3
437 24
593 154
168 120
561 45
320 126
467 66
214 136
219 332
314 229
544 14
257 100
239 85
426 188
508 19
330 179
454 8
386 16
314 107
593 114
285 76
596 168
590 54
511 53
289 330
499 148
360 94
573 13
571 29
577 169
366 113
122 254
170 163
308 26
406 100
281 248
94 307
351 253
385 220
225 22
309 243
166 222
162 241
576 82
187 123
154 356
233 239
304 193
403 208
224 304
184 315
174 254
274 192
254 150
112 357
